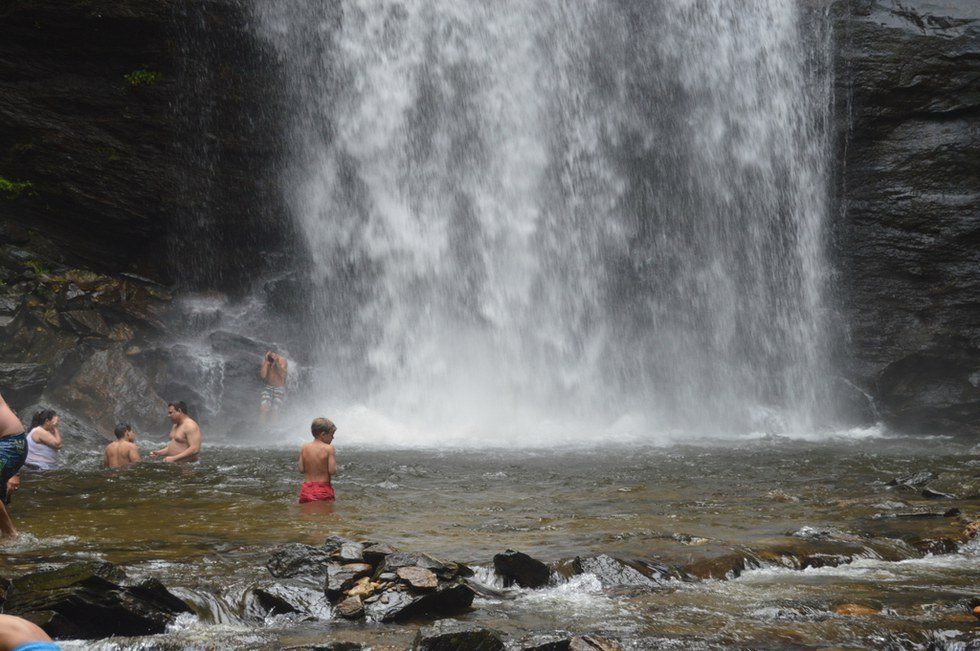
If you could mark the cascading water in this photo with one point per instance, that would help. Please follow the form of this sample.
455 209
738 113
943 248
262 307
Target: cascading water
535 217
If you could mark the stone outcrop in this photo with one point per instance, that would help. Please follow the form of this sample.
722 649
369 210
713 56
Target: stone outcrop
907 231
88 601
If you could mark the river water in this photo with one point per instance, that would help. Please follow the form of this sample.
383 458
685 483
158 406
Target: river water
207 530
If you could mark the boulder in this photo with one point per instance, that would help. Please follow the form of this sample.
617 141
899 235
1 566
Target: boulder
519 568
296 559
341 578
375 554
418 577
448 599
351 608
23 383
84 601
613 572
107 389
450 635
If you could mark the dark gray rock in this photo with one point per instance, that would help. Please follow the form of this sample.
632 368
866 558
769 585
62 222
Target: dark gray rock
84 601
396 560
450 635
518 567
23 383
376 553
613 572
930 494
448 599
906 230
297 559
350 552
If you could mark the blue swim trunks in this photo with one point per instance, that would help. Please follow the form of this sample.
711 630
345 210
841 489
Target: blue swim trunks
38 646
13 452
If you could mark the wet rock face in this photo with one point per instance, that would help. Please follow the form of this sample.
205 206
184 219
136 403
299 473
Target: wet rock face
86 601
297 559
519 568
613 572
907 230
450 635
106 106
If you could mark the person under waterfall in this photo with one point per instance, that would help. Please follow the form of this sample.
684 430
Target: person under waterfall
273 371
185 436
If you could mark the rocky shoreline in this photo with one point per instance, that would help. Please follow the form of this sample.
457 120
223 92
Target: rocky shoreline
350 580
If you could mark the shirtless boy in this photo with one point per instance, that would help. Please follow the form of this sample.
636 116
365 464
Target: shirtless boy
185 436
123 451
13 452
318 463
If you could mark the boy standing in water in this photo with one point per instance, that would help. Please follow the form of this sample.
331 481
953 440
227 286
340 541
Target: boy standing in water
123 451
318 463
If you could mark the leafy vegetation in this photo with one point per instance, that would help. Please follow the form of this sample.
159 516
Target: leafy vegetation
13 189
142 77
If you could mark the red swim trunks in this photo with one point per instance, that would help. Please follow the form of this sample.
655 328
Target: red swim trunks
316 491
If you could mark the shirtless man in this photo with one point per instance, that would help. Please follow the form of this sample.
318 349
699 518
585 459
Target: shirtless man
273 371
18 634
13 452
185 436
318 462
123 451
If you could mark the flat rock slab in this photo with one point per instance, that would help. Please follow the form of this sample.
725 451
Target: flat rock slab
296 559
450 635
418 577
375 554
519 568
81 603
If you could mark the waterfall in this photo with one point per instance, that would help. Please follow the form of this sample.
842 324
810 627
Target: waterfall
530 218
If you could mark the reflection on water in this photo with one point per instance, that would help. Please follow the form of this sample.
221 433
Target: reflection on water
207 530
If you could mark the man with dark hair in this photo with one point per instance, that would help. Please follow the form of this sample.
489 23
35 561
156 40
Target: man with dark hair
185 436
123 451
273 371
318 463
13 452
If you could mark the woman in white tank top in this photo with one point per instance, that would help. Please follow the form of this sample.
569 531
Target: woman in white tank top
43 442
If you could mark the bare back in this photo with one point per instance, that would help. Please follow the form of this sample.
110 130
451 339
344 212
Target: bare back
9 423
120 454
316 460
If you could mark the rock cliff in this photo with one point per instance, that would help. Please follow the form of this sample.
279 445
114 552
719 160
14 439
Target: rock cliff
907 233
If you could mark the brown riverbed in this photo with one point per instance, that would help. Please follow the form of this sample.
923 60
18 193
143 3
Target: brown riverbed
207 530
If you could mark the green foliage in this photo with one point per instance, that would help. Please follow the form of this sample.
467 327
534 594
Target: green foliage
12 189
111 154
142 77
38 267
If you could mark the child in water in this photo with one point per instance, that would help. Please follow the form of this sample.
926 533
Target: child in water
318 463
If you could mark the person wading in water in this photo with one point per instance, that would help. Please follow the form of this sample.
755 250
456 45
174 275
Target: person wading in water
43 442
185 436
318 463
123 451
13 452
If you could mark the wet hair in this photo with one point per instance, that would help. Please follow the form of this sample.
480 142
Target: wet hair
121 430
41 417
179 406
322 426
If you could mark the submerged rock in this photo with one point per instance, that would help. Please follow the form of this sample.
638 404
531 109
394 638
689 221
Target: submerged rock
855 610
295 559
567 643
913 480
450 635
519 568
84 601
